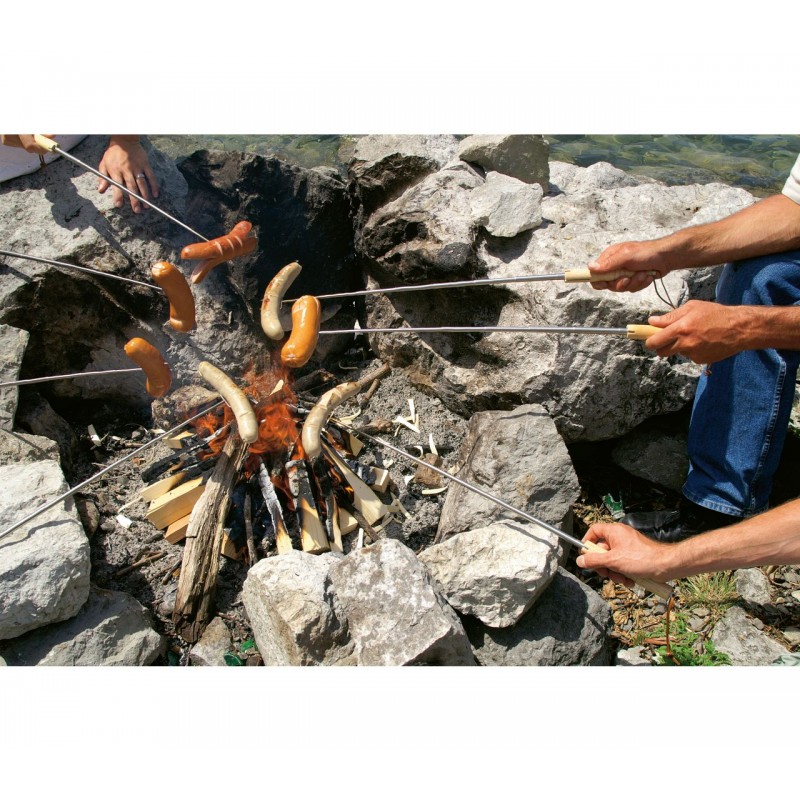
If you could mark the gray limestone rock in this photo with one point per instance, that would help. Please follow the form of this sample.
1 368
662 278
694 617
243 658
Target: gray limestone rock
427 232
519 457
570 178
111 630
494 573
522 156
395 614
38 417
657 456
215 641
736 635
754 587
632 657
12 348
570 625
505 206
295 616
23 448
595 387
44 565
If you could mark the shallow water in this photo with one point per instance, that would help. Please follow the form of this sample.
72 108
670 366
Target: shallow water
759 164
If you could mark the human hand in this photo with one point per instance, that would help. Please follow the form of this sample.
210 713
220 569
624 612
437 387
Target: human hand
26 141
641 258
627 552
125 161
702 331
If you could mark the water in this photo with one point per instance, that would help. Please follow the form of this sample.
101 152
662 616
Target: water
759 164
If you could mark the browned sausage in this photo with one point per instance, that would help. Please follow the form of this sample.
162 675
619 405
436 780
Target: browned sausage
237 243
155 368
176 288
306 317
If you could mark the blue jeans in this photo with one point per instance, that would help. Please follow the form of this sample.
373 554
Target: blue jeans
741 410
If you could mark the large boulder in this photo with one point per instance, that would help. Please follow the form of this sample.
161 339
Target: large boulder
44 564
595 386
747 646
293 612
12 348
494 573
111 630
522 156
570 625
519 457
396 615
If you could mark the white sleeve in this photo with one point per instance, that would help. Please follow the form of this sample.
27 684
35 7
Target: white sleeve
792 187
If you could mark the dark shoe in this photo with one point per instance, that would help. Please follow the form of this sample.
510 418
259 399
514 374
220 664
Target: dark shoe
687 520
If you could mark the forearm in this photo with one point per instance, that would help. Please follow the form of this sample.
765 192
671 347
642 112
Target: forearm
762 327
769 226
770 538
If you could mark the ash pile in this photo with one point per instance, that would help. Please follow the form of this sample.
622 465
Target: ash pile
212 547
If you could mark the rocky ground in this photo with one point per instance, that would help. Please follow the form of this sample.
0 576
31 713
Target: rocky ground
129 555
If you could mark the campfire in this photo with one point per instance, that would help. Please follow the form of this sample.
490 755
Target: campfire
248 501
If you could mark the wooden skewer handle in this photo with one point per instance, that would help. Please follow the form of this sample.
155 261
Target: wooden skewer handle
641 332
585 275
663 590
43 141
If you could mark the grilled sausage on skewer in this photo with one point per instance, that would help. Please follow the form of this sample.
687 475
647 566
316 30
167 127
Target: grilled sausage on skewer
235 398
181 302
271 304
318 415
150 360
223 248
306 315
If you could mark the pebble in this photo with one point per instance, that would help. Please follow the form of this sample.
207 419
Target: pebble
796 596
757 623
136 435
696 624
791 577
700 611
792 635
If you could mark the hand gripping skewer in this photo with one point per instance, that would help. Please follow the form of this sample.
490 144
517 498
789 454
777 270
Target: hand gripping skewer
49 144
103 471
663 590
637 332
582 275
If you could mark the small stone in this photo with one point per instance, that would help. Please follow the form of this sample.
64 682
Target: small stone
136 435
792 636
757 623
790 576
796 596
427 477
696 623
700 611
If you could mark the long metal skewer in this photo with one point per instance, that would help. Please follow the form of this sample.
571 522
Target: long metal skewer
49 144
46 378
570 276
103 471
81 269
638 332
661 589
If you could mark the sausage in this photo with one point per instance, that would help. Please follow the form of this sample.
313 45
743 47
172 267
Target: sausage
271 304
176 288
299 347
235 398
237 243
318 415
150 360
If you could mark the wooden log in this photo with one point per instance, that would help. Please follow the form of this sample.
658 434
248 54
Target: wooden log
195 596
347 523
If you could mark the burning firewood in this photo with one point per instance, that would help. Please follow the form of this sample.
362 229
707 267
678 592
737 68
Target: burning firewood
312 533
200 567
282 539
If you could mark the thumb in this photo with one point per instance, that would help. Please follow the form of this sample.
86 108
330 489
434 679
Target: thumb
591 559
